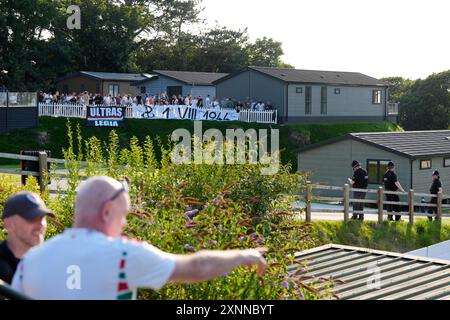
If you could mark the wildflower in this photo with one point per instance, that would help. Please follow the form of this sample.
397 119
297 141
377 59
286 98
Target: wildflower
190 224
254 236
285 284
190 214
189 248
300 293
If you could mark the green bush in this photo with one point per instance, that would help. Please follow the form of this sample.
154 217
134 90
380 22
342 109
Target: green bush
191 207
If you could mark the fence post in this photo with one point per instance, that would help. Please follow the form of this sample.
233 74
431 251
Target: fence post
380 204
439 206
42 171
411 206
308 201
346 202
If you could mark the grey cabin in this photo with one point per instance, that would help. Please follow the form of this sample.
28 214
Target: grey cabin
415 153
180 82
311 96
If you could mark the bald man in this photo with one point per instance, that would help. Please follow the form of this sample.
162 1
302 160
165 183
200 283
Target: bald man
93 262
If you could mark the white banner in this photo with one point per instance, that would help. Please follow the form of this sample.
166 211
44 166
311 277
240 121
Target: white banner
175 112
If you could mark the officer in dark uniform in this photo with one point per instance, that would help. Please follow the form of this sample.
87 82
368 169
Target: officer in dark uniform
391 183
435 188
360 180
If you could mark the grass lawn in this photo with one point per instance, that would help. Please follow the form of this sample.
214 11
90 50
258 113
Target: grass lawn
51 134
389 236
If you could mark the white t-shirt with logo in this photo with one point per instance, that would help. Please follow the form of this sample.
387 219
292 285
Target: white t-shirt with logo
84 264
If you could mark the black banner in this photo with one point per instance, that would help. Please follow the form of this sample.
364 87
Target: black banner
106 116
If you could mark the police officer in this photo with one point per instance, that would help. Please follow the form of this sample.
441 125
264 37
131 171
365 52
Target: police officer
435 188
391 183
360 180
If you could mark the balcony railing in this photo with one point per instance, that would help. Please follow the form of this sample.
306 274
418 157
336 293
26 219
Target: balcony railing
392 109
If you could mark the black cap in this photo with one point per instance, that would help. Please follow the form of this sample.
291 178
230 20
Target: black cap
436 173
28 205
391 164
355 164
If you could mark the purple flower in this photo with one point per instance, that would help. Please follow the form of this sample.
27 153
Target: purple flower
188 215
241 238
300 293
285 284
190 224
189 248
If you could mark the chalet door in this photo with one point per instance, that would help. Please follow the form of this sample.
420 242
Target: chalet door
175 90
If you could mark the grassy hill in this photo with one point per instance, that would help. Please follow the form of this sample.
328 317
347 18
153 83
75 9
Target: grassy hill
395 237
51 134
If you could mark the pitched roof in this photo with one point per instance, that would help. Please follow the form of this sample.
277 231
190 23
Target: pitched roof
190 77
401 276
410 144
316 76
109 76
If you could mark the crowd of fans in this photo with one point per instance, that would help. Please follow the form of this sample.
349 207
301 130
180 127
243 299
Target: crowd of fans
86 98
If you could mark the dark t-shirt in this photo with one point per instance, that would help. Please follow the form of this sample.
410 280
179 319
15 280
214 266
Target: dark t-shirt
435 186
389 179
8 263
361 179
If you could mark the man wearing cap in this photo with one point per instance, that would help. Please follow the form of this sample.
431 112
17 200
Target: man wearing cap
24 218
360 180
92 261
391 183
435 188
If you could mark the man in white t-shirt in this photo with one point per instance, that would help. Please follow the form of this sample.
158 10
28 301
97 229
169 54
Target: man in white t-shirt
194 102
93 262
208 102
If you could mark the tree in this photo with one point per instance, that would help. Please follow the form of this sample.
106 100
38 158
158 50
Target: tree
222 50
23 27
426 104
266 52
398 87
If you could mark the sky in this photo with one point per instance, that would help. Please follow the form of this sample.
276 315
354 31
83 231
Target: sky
408 38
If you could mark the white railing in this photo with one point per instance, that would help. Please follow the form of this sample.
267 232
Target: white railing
62 110
392 109
258 116
79 111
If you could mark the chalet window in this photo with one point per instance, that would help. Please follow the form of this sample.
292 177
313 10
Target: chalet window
113 90
337 91
143 90
425 164
376 170
299 90
323 100
446 162
97 88
376 97
308 101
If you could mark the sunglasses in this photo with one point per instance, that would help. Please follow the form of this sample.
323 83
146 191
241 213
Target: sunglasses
125 188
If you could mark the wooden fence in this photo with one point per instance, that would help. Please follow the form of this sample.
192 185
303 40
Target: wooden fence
379 202
79 111
43 161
